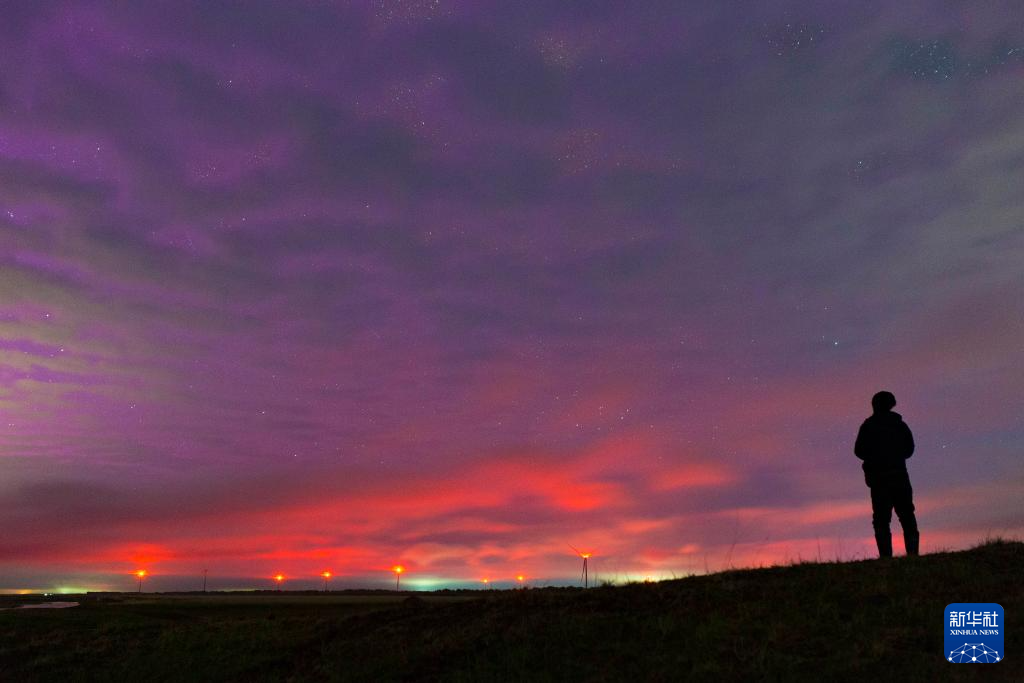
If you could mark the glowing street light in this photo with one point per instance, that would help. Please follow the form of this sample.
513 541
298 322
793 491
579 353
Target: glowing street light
486 582
141 574
520 578
326 576
280 579
398 569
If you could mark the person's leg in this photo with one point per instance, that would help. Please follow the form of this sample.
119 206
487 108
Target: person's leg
881 516
903 501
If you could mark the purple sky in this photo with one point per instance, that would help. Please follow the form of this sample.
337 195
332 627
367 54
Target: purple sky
294 286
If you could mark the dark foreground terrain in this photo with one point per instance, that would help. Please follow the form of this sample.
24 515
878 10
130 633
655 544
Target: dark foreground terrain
865 621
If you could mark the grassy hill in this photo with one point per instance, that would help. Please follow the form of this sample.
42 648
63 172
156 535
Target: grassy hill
870 620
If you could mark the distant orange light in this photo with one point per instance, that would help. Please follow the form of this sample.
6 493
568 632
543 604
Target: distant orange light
141 574
279 578
520 578
485 580
326 575
398 569
585 555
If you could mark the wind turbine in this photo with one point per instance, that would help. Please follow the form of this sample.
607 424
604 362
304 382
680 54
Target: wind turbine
586 556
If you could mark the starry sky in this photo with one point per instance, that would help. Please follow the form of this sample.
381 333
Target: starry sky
298 285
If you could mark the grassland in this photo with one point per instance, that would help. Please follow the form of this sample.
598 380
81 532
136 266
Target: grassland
865 621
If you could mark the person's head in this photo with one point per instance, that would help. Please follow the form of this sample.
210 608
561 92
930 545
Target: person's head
883 402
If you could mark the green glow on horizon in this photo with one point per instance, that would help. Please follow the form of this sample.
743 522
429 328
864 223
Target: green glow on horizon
421 583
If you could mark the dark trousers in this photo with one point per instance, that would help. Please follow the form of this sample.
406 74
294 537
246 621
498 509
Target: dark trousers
891 491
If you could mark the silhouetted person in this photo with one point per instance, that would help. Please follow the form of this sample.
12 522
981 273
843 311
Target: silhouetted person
884 443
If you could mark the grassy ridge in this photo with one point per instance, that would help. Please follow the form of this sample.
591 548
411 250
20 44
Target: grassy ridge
839 621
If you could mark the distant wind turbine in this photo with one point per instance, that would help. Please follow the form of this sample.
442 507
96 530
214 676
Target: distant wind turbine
586 556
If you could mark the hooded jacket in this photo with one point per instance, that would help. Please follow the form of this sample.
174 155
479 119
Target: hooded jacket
884 443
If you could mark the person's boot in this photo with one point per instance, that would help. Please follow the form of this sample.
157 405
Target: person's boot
911 539
884 541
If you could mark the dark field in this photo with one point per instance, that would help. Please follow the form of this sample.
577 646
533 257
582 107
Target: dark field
863 621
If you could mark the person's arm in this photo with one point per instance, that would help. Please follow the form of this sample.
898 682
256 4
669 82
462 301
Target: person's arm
908 441
860 446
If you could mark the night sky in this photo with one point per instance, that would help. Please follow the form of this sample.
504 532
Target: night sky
304 285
